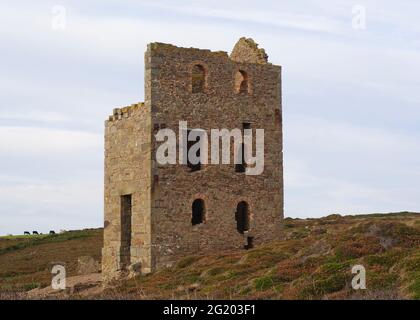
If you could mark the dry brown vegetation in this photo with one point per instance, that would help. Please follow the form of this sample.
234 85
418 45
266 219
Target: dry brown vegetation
313 261
26 262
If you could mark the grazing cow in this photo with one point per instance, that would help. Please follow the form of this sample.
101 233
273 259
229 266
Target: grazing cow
52 232
35 232
26 233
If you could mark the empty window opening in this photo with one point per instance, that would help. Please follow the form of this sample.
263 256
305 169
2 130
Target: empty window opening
249 243
242 217
241 166
126 208
246 125
198 212
193 166
198 78
241 82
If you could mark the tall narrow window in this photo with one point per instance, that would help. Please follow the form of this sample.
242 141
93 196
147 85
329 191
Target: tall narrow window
193 165
240 167
126 206
242 217
198 212
241 82
198 78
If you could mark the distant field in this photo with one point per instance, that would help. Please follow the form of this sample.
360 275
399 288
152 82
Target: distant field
26 261
21 236
312 261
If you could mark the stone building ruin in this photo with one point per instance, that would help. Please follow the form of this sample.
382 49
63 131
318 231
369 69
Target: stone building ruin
156 213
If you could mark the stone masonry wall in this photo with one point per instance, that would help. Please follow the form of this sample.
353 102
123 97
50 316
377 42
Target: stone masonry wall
127 171
175 187
162 195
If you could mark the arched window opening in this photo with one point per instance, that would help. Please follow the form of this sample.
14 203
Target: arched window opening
241 82
242 217
198 212
198 78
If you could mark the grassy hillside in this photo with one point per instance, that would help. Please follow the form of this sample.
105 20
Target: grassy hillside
26 261
313 261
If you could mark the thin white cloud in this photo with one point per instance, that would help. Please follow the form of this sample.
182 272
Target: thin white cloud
46 117
251 14
46 141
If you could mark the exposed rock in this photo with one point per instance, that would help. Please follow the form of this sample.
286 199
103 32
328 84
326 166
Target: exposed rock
87 265
246 50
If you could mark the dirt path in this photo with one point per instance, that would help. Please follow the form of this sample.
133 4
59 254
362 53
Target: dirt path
82 286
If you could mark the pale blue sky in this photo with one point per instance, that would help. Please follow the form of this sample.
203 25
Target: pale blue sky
351 98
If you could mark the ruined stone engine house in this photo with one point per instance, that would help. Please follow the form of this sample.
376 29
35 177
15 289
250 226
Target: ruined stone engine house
156 213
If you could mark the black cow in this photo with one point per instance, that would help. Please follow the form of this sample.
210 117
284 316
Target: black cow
27 232
52 232
35 232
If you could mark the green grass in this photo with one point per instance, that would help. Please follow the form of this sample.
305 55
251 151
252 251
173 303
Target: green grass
321 287
25 262
266 282
414 287
43 239
21 236
386 215
30 286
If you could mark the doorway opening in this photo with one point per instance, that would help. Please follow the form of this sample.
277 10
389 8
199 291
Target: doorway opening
126 211
242 217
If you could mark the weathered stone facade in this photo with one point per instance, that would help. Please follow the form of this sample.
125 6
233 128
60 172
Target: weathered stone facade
149 207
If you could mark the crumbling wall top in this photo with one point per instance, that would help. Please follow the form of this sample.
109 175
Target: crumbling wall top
159 47
124 112
246 50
